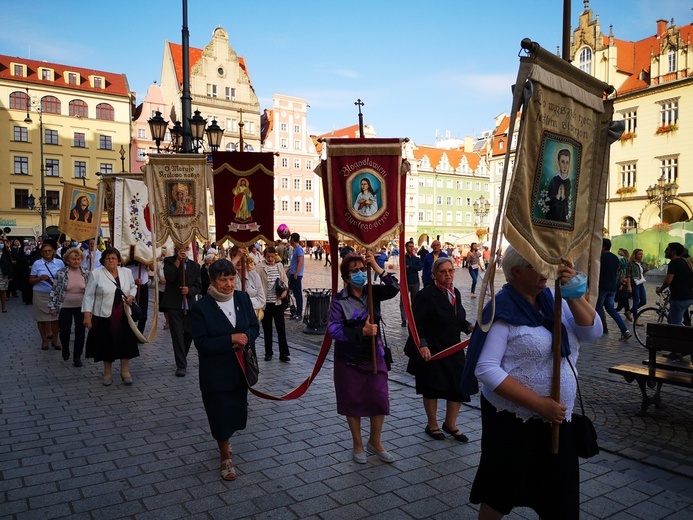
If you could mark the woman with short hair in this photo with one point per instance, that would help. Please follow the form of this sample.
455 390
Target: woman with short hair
42 276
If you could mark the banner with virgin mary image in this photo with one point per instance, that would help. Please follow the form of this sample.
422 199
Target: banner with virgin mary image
243 192
362 181
556 201
177 187
78 216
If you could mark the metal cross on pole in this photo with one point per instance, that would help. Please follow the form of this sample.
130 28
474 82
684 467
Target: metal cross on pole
359 104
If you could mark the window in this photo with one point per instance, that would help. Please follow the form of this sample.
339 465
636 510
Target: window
297 129
627 224
231 93
52 199
50 105
448 217
21 165
421 215
78 108
285 205
250 127
439 217
468 217
585 60
21 134
297 164
448 184
285 183
18 70
105 142
501 143
439 182
106 168
439 200
51 136
21 199
477 186
669 167
232 125
668 113
18 100
285 162
448 201
469 185
487 187
309 207
283 127
628 175
98 82
211 90
284 143
46 74
52 168
72 78
80 170
429 215
458 201
309 184
429 199
297 206
105 111
297 184
297 144
671 60
630 119
309 164
141 133
80 140
458 217
141 154
468 201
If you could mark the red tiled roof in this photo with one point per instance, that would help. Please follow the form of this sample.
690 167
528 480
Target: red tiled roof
349 131
454 156
194 54
114 84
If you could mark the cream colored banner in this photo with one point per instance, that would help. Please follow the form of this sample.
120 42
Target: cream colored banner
78 216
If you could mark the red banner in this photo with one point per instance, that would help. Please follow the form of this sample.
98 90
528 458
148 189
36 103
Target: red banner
362 180
243 197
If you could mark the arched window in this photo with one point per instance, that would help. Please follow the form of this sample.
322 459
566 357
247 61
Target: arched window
671 60
231 147
627 224
585 60
18 101
105 111
50 105
79 108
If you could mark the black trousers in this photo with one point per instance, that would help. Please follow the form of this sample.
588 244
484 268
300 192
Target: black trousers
144 305
65 318
275 312
181 335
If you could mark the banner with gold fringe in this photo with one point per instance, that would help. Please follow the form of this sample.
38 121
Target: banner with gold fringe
78 217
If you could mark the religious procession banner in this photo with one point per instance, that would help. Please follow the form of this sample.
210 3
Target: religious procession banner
178 193
243 197
556 201
362 179
78 217
132 220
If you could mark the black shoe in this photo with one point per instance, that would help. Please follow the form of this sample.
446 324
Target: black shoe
285 359
435 434
456 434
268 358
180 372
66 354
78 363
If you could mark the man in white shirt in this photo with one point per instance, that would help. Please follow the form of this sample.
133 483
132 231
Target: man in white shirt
92 257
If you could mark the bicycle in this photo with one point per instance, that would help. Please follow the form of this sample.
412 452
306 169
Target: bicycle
657 314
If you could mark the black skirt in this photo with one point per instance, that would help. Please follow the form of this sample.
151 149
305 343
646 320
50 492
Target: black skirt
112 338
517 468
227 412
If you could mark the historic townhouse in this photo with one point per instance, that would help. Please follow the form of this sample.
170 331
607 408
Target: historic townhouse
654 82
85 115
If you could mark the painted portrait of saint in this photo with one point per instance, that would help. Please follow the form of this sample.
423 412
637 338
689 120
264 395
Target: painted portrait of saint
366 194
243 203
181 199
557 190
81 211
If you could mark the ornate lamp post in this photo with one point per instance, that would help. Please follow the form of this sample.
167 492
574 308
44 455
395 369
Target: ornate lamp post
214 134
662 192
42 199
481 206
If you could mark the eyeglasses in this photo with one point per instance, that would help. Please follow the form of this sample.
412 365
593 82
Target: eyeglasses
446 271
358 270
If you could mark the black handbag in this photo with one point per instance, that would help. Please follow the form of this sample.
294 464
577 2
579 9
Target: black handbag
136 311
248 361
585 434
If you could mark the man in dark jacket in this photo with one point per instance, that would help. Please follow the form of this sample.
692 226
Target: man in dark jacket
414 265
608 282
183 284
679 280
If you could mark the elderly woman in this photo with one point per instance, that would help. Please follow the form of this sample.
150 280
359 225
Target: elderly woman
65 301
221 321
513 361
110 336
253 284
270 272
42 275
360 392
440 320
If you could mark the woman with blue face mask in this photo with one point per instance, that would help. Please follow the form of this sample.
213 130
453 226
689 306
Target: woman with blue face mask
360 392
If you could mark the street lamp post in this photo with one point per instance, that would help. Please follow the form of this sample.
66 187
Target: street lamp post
481 207
42 198
662 192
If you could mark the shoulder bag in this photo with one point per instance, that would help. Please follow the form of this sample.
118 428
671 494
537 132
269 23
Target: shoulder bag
585 434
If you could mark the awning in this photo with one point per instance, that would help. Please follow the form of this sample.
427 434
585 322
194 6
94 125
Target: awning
23 231
315 237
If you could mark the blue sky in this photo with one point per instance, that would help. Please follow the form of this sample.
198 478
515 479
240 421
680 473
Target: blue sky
419 66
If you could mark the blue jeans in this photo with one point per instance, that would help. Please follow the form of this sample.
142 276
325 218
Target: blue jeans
676 310
474 273
605 301
639 297
297 291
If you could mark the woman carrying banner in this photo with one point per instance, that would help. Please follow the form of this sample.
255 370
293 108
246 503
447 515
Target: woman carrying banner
110 336
65 302
222 320
42 275
440 320
360 392
514 363
275 294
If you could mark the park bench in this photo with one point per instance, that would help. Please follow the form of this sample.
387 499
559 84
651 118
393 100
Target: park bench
657 370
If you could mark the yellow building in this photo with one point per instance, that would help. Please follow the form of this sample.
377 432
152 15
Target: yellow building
84 116
654 82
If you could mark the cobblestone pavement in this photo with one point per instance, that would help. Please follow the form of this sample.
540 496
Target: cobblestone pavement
70 447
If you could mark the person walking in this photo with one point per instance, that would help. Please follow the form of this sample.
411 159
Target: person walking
327 254
608 279
275 295
622 298
296 268
413 267
437 252
42 276
635 278
474 264
679 281
5 271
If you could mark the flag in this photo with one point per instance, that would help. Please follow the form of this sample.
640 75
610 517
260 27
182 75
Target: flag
132 220
243 197
362 180
177 189
79 218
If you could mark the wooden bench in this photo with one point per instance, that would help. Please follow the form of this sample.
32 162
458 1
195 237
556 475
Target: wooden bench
657 370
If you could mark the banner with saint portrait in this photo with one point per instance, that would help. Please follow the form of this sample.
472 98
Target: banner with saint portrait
243 193
556 201
78 217
177 186
362 181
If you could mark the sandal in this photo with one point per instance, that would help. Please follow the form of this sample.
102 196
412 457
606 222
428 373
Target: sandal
228 471
459 436
435 434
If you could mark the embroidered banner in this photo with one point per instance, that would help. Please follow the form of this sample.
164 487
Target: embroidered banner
557 197
177 188
243 197
78 217
132 220
362 179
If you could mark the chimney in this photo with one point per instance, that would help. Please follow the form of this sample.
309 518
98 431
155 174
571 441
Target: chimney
468 144
662 26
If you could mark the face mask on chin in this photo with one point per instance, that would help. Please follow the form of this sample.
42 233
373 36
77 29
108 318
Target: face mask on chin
358 280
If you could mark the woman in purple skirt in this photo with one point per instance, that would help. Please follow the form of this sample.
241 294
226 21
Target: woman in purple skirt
360 392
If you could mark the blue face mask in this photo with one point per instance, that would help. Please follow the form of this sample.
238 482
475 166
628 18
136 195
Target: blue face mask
358 279
575 288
